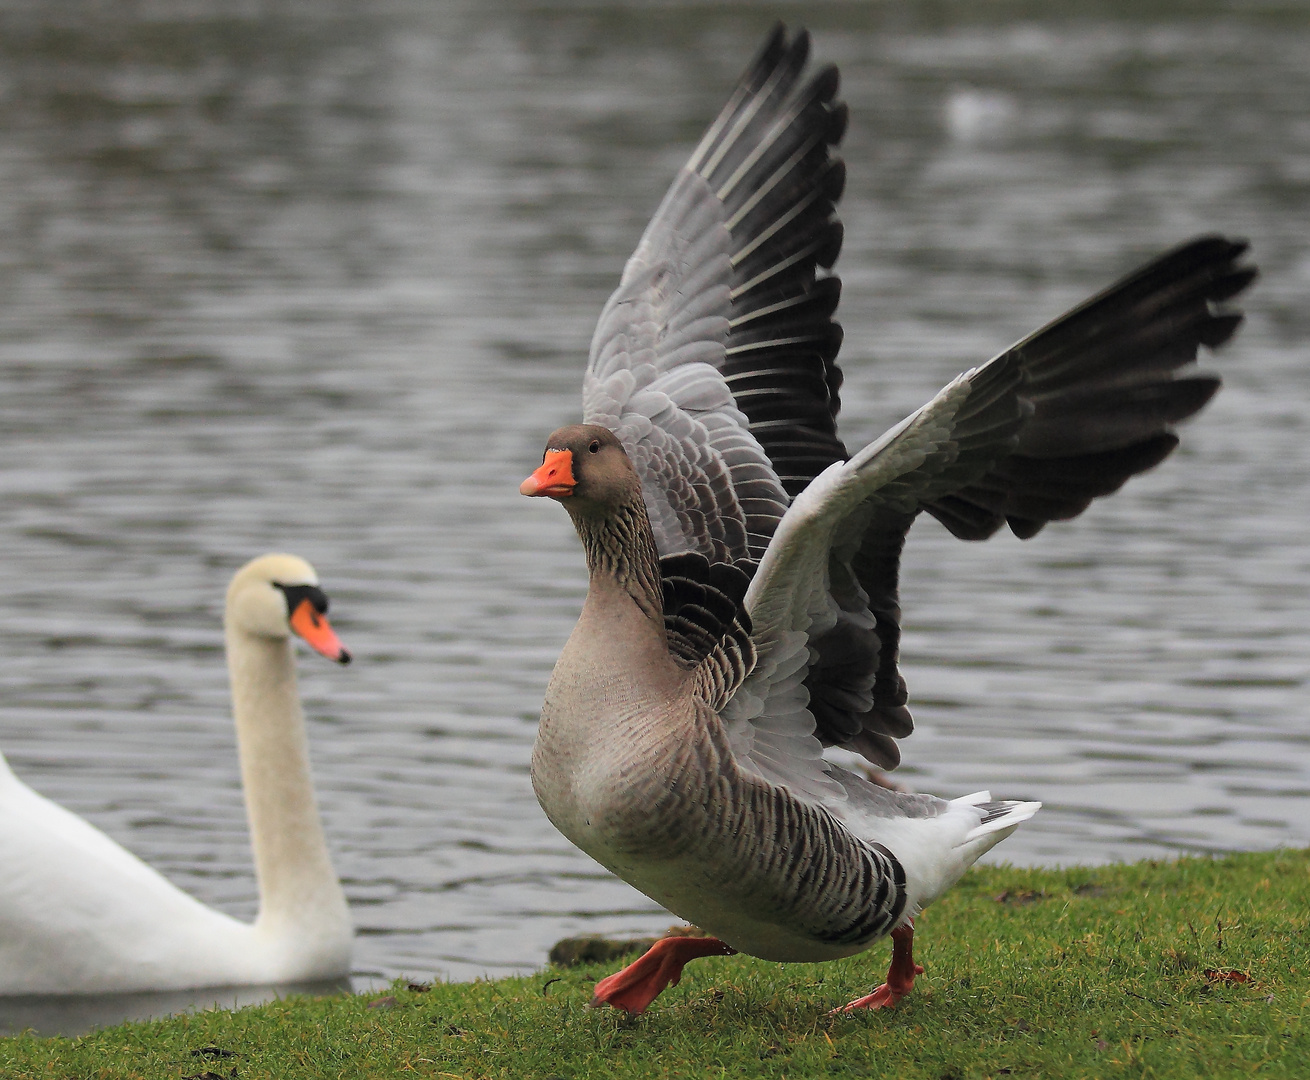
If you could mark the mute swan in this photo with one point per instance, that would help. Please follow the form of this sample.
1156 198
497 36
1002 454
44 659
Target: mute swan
742 608
81 915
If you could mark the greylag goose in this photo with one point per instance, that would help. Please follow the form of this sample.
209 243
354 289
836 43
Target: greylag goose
79 914
742 610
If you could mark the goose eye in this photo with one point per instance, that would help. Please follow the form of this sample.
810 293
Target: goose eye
595 446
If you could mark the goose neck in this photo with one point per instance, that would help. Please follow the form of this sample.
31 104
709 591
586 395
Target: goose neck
620 550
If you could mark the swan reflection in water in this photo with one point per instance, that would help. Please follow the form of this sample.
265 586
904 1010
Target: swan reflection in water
71 1015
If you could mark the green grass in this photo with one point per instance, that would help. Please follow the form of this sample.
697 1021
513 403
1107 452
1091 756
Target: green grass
1103 972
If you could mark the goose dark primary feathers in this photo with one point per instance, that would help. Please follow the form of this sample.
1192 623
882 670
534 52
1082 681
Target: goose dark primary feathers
743 611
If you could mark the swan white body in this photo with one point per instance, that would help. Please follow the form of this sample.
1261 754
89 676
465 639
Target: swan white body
80 914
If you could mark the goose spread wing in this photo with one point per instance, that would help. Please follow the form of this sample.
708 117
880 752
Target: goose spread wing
715 363
1063 417
714 360
770 722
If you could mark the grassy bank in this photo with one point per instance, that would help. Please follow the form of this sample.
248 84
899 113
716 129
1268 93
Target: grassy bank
1183 969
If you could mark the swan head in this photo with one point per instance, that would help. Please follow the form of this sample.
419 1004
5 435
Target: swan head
276 596
585 467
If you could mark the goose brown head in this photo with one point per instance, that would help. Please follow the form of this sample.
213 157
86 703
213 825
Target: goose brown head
586 468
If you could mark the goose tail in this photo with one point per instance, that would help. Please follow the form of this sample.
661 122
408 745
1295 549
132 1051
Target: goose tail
999 819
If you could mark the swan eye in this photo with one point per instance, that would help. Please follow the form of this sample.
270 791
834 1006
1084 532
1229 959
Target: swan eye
595 446
296 593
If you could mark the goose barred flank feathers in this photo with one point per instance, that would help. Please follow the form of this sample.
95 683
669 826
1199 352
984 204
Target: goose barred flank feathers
793 858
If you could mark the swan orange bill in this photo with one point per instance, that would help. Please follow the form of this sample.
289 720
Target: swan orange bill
313 626
553 478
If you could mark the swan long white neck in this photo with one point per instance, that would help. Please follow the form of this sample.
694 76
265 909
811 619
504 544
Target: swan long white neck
301 899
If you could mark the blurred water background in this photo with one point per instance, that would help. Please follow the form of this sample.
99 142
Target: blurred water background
321 276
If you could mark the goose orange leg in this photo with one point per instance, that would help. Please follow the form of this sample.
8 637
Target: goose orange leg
642 981
900 976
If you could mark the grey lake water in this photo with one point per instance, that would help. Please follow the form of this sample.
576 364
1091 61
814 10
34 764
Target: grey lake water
321 277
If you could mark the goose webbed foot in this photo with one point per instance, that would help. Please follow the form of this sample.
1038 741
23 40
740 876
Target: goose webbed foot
900 975
642 981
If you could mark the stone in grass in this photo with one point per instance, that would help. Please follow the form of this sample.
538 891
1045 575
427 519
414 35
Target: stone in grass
594 949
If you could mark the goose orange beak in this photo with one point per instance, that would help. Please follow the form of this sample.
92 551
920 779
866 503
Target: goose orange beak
554 478
313 626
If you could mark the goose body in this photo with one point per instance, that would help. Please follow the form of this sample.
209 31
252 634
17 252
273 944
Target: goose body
742 610
634 764
80 914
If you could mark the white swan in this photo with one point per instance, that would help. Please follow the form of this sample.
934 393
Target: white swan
81 915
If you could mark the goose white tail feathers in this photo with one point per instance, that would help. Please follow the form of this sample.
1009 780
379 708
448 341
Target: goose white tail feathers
999 818
935 840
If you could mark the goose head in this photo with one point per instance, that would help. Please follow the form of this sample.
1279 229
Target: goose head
276 596
586 468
